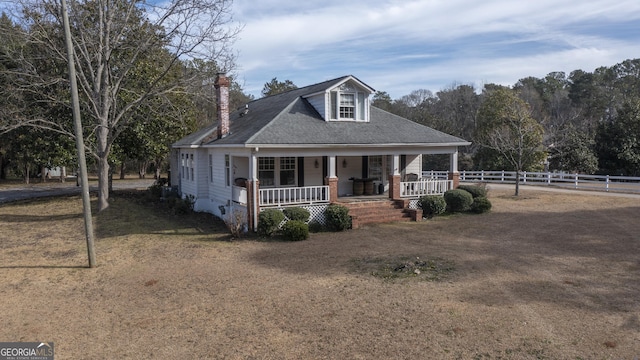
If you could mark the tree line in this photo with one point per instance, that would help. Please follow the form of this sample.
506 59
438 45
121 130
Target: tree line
586 122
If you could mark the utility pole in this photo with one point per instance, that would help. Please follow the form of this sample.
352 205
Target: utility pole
75 103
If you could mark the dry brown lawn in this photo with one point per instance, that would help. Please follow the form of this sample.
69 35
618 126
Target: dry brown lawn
544 276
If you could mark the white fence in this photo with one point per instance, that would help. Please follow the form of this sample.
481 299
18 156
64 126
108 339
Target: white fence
294 195
424 186
575 181
435 175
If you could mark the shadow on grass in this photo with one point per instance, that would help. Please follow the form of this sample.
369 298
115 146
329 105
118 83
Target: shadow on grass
133 212
586 259
38 218
45 267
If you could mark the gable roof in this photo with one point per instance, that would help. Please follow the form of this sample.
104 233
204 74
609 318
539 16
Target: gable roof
289 119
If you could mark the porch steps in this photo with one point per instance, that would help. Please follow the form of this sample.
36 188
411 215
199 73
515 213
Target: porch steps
378 211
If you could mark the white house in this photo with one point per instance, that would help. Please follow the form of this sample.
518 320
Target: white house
309 147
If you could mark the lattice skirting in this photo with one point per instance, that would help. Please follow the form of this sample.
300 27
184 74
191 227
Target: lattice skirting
316 213
414 204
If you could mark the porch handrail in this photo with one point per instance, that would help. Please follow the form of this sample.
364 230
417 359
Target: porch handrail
424 187
294 195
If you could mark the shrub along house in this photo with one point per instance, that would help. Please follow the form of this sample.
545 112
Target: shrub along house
310 147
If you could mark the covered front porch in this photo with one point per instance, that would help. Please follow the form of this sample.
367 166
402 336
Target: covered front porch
313 180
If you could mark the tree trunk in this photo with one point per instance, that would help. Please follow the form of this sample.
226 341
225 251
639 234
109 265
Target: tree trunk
103 149
517 183
103 183
123 167
142 169
158 166
26 173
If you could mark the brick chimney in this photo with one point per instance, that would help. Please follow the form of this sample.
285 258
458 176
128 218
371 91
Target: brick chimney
222 98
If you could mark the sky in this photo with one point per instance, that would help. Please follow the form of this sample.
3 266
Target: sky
399 46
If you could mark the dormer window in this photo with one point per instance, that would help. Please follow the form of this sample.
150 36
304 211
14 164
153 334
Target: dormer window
347 106
348 103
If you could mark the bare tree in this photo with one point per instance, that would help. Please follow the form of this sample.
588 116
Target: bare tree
128 53
505 125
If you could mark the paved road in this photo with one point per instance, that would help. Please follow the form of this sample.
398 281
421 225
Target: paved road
29 191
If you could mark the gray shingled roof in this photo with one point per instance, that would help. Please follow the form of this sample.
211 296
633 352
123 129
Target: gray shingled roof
288 119
199 137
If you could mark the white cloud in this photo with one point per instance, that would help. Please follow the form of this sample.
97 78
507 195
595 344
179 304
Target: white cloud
400 46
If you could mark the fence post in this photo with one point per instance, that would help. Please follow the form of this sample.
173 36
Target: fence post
524 177
548 178
576 181
502 176
607 184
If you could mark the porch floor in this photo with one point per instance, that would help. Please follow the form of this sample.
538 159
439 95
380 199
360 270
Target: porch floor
361 198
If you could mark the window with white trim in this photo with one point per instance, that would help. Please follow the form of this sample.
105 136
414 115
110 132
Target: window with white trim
287 171
182 166
191 168
375 167
347 106
266 171
348 103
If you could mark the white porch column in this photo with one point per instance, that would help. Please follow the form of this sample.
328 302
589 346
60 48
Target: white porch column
253 175
332 179
396 164
453 162
394 179
331 163
454 175
253 167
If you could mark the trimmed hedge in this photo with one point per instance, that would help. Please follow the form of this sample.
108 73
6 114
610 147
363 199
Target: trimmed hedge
432 205
458 200
481 205
337 217
295 230
475 190
268 222
296 213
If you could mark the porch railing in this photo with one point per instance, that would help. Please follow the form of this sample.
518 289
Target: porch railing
294 196
423 187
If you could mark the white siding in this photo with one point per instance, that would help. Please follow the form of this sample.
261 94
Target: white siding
313 175
201 168
353 170
319 103
240 168
414 164
218 190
